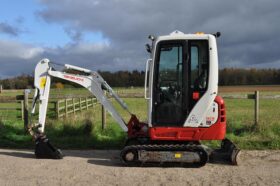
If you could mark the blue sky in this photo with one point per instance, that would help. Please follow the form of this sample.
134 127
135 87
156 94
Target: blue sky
110 35
33 29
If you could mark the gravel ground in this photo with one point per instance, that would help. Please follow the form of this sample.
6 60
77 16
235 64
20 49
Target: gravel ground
102 167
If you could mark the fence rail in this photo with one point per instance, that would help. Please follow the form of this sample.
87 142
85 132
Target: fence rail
64 107
17 106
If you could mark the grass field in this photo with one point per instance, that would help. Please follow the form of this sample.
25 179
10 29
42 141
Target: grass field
84 130
264 90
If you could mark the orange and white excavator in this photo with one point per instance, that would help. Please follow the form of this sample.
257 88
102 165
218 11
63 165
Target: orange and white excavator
181 89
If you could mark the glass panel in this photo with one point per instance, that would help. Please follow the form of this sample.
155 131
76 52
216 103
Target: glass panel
194 65
170 66
199 65
168 103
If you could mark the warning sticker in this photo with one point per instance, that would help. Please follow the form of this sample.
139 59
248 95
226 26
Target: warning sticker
43 82
178 155
193 119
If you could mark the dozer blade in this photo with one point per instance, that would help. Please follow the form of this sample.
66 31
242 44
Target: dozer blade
228 153
45 150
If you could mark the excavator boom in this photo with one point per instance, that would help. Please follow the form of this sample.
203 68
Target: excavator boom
93 82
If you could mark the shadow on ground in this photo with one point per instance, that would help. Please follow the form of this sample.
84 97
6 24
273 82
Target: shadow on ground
99 157
18 154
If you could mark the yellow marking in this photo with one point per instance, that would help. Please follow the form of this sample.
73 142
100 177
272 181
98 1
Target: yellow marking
199 33
43 82
178 155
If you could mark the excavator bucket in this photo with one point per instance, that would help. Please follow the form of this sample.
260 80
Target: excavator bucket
228 153
45 150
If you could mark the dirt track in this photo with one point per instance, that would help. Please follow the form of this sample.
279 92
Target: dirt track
100 167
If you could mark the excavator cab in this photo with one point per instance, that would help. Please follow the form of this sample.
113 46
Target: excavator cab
182 83
180 78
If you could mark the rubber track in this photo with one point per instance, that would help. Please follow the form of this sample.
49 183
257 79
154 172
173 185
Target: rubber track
175 147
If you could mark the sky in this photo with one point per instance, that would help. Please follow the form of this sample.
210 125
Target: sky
111 34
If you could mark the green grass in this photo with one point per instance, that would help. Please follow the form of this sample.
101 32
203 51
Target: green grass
14 111
84 129
241 128
74 132
13 135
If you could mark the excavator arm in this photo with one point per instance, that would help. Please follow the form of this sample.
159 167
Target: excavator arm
91 81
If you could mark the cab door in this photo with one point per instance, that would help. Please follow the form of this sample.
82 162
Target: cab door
184 85
170 90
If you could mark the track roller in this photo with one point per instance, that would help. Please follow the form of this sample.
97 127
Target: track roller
178 154
129 156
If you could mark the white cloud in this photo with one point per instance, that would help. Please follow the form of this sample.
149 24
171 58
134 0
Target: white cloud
82 48
248 28
13 49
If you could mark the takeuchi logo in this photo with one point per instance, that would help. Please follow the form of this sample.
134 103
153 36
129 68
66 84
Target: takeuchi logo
73 78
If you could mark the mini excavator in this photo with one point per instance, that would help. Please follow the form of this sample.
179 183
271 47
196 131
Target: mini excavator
181 89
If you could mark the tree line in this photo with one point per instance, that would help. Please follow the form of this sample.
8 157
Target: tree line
239 76
115 79
227 76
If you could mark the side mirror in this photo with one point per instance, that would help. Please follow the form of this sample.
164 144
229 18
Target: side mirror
148 48
217 34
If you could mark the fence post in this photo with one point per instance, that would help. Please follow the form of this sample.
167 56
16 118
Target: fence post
22 109
66 108
103 112
1 88
80 103
57 109
73 102
87 102
256 108
26 92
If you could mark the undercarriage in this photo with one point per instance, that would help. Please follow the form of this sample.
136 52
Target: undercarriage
182 154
